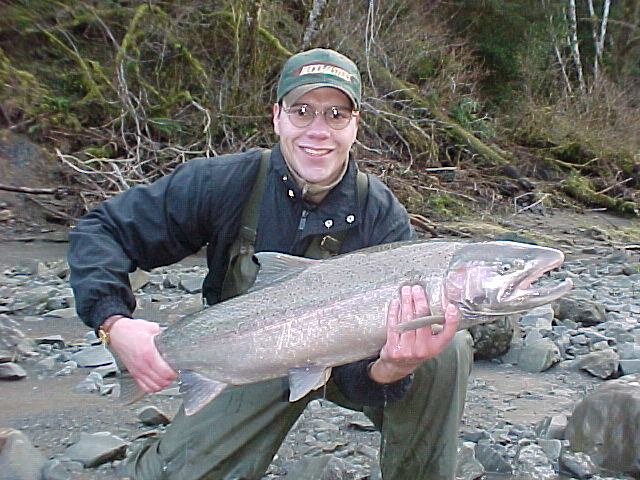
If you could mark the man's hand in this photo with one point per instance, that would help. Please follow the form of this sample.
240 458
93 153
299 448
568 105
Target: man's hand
404 352
132 341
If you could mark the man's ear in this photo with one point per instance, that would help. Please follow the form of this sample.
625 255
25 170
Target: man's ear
355 133
275 110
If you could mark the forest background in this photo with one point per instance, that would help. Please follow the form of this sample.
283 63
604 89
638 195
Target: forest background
468 105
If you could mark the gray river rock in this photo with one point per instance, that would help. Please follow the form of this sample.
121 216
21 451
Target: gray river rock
97 448
556 395
15 448
11 371
606 425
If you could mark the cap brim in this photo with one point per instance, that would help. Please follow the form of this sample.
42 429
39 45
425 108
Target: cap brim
293 95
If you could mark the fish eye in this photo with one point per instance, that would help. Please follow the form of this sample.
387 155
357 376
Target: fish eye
504 268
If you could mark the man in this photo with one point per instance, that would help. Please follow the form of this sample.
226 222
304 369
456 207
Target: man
414 391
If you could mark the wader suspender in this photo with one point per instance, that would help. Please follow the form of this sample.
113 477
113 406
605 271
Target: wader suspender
242 269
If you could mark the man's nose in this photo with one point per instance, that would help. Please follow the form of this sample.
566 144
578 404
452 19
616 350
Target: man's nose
319 126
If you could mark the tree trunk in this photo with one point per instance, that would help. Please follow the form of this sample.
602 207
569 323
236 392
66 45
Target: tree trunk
573 42
598 35
315 19
255 12
556 50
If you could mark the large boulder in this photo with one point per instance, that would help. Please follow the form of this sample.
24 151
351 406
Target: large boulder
490 340
24 164
606 425
19 459
580 310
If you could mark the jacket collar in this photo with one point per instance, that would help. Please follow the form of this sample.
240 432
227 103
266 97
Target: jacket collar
337 211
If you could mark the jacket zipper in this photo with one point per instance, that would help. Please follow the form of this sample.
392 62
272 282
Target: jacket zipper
303 220
301 225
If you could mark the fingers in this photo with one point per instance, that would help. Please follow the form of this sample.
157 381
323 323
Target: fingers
404 352
423 343
153 373
393 319
420 303
423 335
159 370
133 342
451 318
407 314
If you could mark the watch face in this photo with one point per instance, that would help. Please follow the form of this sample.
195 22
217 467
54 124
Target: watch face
104 336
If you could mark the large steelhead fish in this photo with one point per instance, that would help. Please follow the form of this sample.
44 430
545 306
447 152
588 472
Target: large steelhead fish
305 316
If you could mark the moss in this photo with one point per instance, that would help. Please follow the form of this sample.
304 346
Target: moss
468 114
572 152
581 189
100 151
446 205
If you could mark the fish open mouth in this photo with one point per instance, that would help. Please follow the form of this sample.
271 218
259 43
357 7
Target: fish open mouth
540 295
525 295
501 278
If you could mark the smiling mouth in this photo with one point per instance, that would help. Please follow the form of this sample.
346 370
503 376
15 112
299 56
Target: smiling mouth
316 151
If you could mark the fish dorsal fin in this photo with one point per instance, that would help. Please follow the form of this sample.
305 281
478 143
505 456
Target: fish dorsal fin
197 390
302 380
275 267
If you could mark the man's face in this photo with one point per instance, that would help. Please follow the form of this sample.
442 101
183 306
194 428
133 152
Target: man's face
316 152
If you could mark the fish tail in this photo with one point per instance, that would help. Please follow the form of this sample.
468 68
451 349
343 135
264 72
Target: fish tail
130 393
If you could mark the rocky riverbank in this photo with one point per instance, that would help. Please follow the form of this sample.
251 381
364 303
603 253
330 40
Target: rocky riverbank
569 381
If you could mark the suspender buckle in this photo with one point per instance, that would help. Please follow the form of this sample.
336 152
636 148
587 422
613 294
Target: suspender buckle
330 244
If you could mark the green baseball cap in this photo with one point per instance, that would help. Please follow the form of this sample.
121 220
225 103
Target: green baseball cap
316 68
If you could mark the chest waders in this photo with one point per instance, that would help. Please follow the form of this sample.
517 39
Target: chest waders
242 268
237 435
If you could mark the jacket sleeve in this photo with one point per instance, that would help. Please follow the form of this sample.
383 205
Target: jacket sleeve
146 227
354 382
386 221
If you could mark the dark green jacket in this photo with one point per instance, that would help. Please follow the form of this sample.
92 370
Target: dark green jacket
199 204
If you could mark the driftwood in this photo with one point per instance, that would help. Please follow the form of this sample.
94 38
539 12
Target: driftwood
39 191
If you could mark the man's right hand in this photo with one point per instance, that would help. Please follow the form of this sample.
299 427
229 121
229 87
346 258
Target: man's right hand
131 340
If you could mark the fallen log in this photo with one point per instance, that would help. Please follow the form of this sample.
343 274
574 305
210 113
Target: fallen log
408 91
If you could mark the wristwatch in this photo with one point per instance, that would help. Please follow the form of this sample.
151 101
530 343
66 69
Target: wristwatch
104 336
103 330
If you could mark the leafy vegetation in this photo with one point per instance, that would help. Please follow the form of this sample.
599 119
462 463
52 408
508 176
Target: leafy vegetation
124 91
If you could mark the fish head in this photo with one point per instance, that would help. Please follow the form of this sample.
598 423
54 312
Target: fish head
495 278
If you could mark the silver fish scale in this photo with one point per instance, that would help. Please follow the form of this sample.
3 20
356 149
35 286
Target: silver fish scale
331 313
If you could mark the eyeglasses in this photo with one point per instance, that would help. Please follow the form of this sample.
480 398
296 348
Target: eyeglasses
336 117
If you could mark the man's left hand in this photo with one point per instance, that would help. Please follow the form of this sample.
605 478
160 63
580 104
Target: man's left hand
404 352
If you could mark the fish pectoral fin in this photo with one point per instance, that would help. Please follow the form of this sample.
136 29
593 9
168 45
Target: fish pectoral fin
197 390
303 380
418 323
275 267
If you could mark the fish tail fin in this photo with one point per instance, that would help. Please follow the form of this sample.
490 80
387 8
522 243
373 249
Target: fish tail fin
197 390
130 393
